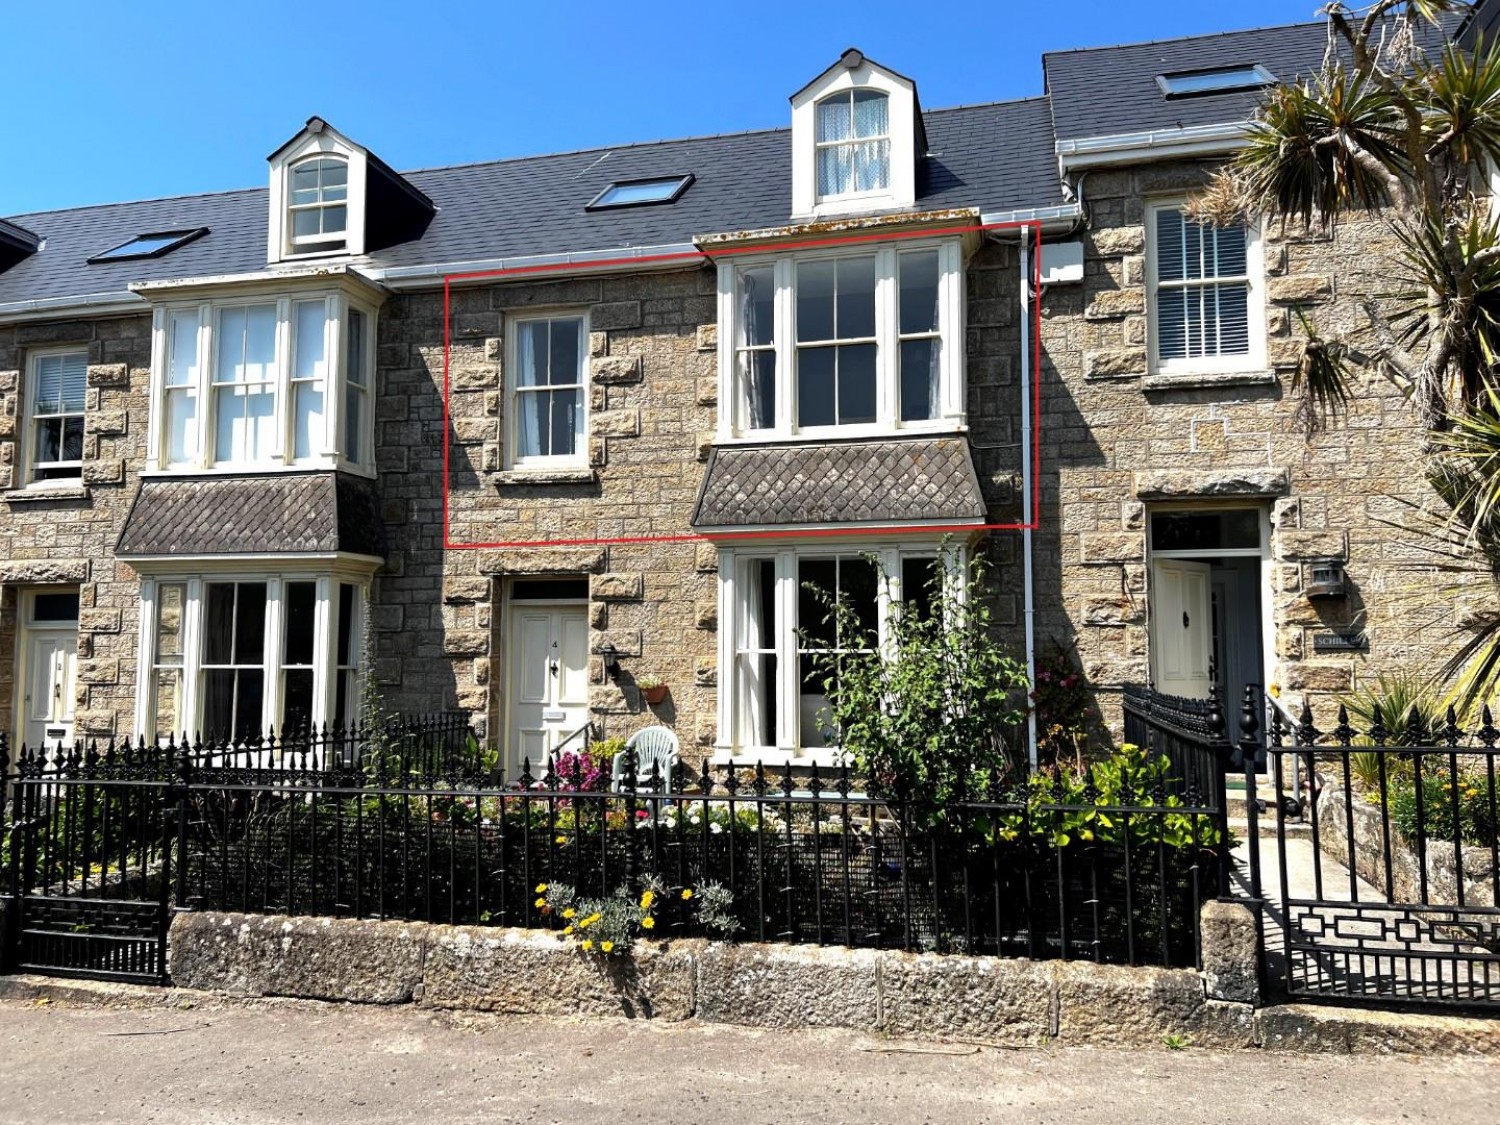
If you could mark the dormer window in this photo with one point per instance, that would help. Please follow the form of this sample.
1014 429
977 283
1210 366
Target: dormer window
854 144
856 139
318 204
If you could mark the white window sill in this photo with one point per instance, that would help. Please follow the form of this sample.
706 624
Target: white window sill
46 492
258 468
559 474
1198 380
775 759
823 435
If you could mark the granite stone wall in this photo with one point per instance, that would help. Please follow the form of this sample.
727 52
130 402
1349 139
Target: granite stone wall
1119 438
66 536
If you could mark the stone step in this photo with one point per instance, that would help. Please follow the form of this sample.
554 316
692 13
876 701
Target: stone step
1295 829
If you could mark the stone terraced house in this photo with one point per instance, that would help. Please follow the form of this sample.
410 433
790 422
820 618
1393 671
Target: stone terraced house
683 380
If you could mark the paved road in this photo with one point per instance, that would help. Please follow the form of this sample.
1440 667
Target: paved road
337 1065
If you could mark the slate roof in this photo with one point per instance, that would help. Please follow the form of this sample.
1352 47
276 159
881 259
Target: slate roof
271 514
1099 91
995 157
843 482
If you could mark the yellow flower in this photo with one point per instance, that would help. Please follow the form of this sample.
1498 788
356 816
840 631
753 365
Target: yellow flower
607 946
570 913
647 899
567 929
541 888
687 893
588 945
648 923
562 839
541 902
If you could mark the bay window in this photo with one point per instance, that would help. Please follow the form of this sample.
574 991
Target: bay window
247 384
843 344
239 656
776 626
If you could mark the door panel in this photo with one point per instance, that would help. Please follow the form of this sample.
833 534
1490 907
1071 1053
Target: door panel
1181 627
548 658
51 669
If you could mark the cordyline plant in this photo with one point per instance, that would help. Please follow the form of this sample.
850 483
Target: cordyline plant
927 714
1390 133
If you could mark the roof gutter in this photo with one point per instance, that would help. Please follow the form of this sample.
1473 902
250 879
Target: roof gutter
624 259
1153 144
98 304
1060 217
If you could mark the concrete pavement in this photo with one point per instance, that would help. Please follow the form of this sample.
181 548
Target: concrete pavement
296 1061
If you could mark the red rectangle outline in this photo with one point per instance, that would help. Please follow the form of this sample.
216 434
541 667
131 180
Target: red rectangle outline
693 255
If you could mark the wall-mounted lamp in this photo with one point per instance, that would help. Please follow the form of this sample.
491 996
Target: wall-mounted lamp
1325 578
611 657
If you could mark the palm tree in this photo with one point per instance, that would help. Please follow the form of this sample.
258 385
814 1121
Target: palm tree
1385 131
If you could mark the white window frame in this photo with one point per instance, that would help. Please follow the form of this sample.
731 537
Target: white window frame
579 458
788 748
30 417
192 666
1254 360
326 242
330 437
951 417
854 142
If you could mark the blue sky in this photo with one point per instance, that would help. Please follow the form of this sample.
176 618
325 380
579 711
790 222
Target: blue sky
114 100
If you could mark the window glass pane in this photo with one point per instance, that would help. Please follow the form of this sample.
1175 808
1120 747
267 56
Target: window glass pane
919 576
306 224
54 608
532 353
334 174
869 113
307 413
755 654
857 590
1172 323
166 688
182 359
347 624
182 424
310 358
533 437
835 170
919 292
247 344
549 589
250 623
296 699
49 440
815 299
1232 314
354 344
757 295
1169 246
855 314
335 219
1235 529
1229 249
218 623
856 383
170 599
872 165
218 702
815 387
564 368
920 379
565 419
61 383
757 372
817 586
304 182
300 605
835 118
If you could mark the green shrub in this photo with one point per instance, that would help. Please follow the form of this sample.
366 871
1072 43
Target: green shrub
1468 792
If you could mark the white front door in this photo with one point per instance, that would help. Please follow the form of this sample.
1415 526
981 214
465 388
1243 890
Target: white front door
51 668
549 691
1181 627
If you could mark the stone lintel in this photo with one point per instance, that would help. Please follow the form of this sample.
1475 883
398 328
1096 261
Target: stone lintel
1183 484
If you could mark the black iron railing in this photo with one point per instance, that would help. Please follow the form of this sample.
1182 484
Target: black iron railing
1394 894
1109 868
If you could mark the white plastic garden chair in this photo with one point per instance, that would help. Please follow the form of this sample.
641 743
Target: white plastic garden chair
655 749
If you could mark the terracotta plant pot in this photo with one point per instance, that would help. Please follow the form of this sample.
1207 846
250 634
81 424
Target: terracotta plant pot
654 695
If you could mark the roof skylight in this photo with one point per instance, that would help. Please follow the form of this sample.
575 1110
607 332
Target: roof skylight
1218 80
634 193
152 245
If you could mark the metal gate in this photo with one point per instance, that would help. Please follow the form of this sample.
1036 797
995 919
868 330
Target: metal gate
1384 882
89 851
